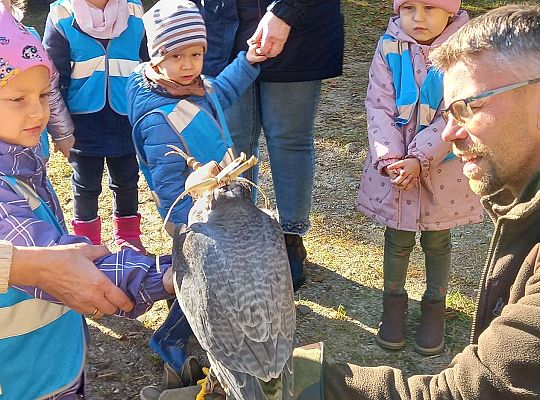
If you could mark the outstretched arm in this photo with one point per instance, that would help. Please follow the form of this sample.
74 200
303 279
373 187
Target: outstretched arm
139 276
68 273
503 365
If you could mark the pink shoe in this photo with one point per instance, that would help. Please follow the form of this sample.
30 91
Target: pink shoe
127 232
90 229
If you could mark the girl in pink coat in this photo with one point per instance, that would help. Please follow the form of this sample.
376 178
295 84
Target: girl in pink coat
412 182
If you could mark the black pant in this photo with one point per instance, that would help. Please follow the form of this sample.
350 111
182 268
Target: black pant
86 183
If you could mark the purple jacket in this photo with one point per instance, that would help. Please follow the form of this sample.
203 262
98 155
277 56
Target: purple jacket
443 199
131 271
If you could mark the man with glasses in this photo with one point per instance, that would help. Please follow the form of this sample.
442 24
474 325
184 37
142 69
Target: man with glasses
492 89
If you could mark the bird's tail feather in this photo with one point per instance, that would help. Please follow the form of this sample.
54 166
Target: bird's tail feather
241 386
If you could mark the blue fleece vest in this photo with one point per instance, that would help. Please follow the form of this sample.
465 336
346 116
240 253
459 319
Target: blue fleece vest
203 137
42 345
98 72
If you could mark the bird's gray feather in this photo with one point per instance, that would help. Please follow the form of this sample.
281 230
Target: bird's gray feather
236 292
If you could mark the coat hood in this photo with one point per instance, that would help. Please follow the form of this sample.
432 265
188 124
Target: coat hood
394 29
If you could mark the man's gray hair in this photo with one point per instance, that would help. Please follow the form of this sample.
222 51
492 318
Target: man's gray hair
511 34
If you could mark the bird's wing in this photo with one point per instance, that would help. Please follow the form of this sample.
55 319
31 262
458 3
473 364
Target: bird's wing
238 296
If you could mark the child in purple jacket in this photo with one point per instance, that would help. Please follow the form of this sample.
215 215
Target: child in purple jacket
42 343
411 180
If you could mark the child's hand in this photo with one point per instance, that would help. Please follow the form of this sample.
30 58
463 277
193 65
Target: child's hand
407 171
252 56
392 173
411 166
64 145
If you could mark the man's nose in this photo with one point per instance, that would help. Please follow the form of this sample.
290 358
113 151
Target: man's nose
453 131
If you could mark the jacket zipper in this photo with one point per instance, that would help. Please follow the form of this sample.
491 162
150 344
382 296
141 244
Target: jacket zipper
107 77
484 278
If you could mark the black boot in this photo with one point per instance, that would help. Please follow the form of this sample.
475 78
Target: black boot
430 333
297 259
391 333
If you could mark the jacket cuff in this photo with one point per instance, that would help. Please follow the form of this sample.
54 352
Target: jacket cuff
6 256
385 163
62 137
290 13
425 162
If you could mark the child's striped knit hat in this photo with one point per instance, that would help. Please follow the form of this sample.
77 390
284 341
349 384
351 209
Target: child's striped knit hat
173 25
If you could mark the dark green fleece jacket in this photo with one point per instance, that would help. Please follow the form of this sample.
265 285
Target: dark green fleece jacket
503 359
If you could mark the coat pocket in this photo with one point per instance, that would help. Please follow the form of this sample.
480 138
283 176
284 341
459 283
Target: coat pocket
374 187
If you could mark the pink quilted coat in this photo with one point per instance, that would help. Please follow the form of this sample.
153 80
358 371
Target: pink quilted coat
443 198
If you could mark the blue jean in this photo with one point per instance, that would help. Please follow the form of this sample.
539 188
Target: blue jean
86 184
437 248
286 113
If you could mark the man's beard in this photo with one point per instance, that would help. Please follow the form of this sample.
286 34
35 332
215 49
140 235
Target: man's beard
490 181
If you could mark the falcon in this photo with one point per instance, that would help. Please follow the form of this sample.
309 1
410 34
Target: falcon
233 282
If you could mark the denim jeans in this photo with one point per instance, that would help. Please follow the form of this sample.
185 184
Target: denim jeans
437 248
286 113
86 184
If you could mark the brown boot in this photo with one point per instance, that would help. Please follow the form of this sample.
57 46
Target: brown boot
392 326
430 334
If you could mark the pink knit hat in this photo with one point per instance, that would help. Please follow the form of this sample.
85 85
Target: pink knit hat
452 6
19 49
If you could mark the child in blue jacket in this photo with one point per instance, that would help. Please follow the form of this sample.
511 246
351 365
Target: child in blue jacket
170 103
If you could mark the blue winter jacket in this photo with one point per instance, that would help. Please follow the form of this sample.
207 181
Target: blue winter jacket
167 174
314 49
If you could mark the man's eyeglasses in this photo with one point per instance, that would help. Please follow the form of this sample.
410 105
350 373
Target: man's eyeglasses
461 110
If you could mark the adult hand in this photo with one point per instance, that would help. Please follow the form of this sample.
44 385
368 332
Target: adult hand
270 35
68 273
64 145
